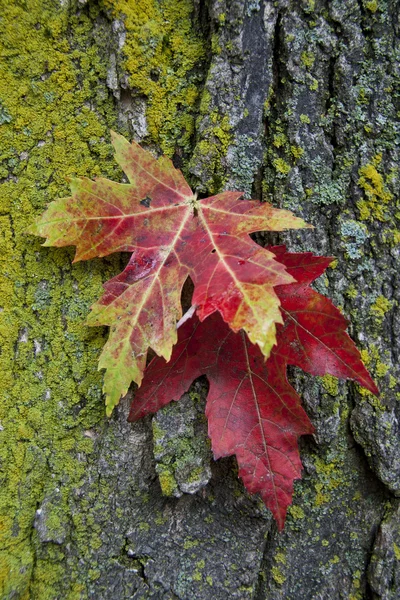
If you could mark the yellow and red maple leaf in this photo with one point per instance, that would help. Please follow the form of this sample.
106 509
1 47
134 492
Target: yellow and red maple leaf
172 235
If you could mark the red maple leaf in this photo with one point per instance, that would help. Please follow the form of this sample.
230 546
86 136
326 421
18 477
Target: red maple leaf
172 235
313 336
253 411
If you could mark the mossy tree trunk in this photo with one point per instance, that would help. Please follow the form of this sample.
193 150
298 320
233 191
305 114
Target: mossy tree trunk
293 101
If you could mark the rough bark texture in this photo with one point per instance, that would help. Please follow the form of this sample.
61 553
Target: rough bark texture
293 101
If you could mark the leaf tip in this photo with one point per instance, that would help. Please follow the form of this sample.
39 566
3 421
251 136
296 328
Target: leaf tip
371 386
117 138
112 400
31 229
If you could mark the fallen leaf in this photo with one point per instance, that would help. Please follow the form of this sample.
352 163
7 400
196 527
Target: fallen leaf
172 235
253 412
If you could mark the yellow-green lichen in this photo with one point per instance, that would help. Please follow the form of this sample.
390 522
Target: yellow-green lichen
297 151
163 58
351 291
310 7
371 5
331 479
167 480
268 101
380 307
281 166
158 433
280 557
396 551
372 358
331 384
213 147
279 140
296 512
59 114
308 59
377 195
189 543
356 593
277 575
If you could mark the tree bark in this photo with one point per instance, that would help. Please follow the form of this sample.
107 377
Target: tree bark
293 102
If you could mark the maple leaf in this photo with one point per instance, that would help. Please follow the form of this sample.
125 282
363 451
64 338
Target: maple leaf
253 411
313 336
172 235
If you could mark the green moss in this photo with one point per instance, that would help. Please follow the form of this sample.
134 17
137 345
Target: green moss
163 58
305 119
